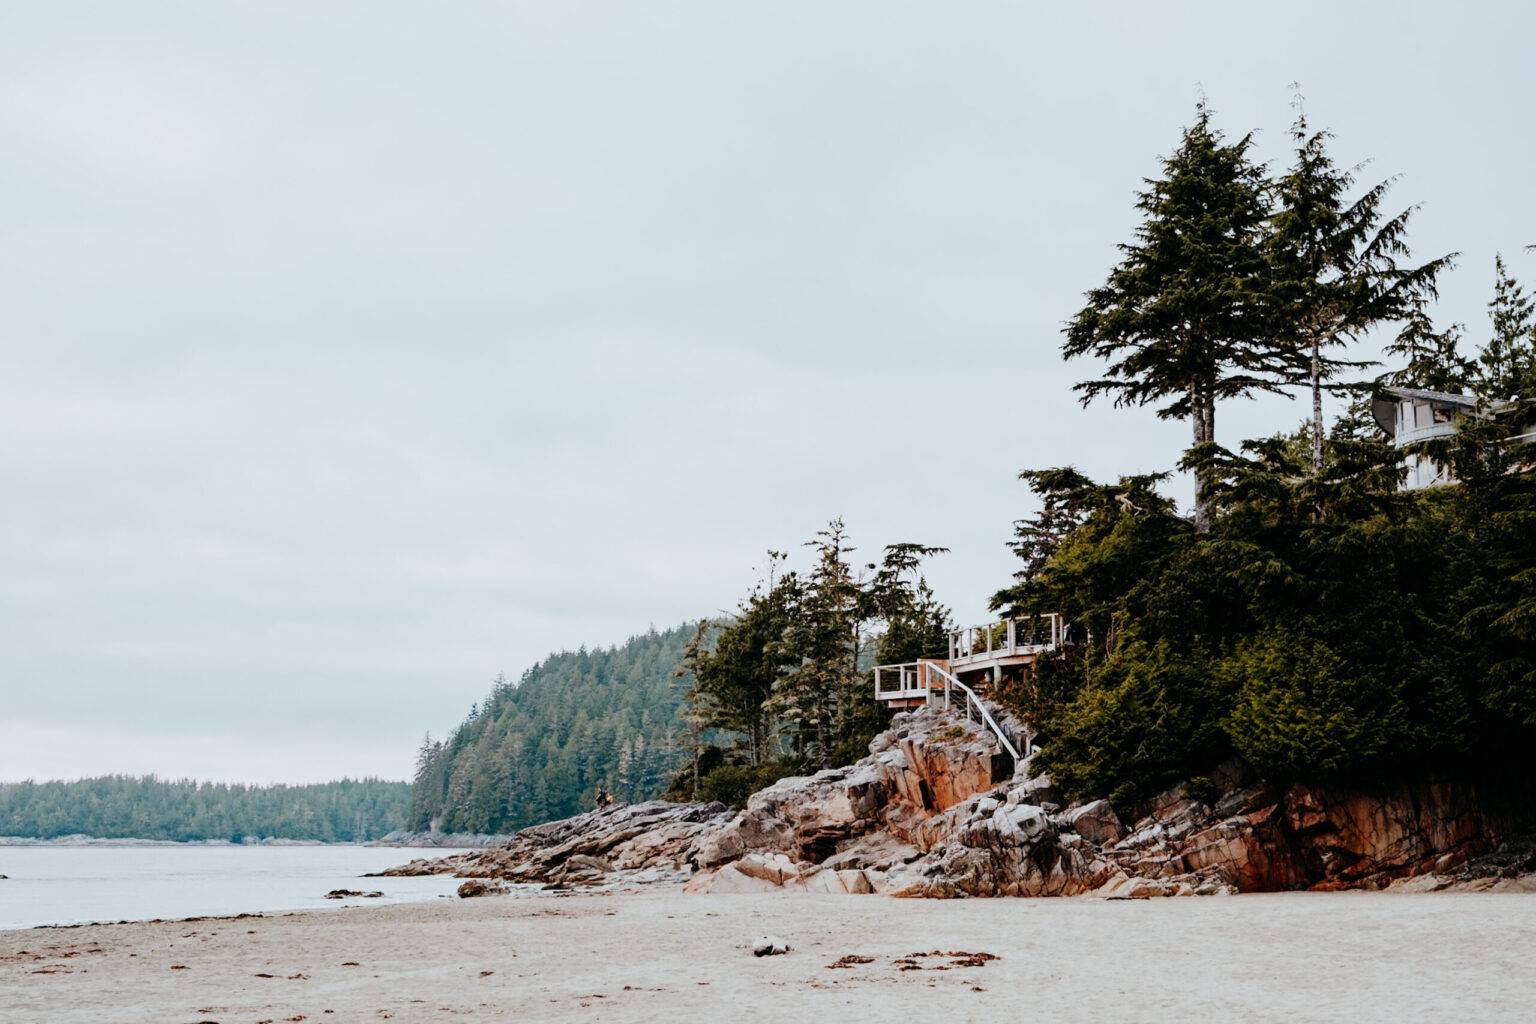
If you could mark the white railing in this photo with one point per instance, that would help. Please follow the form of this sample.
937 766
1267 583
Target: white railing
974 708
1006 638
899 682
934 684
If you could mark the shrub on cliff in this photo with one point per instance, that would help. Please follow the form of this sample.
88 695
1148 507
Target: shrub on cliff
1298 710
1391 631
1137 725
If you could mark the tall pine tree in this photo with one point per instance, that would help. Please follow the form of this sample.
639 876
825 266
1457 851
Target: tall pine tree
1337 269
1181 318
816 696
1507 364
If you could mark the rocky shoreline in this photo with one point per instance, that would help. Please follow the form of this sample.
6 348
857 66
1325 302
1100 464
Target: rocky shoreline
402 840
931 812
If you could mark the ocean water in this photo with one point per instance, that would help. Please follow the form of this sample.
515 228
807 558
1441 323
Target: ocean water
78 884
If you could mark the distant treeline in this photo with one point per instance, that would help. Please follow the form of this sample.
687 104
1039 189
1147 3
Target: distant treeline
540 748
185 810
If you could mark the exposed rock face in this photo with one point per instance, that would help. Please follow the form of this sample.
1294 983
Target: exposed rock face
931 813
869 817
1509 867
655 837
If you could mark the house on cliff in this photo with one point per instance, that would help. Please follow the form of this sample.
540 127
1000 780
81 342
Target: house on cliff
1412 416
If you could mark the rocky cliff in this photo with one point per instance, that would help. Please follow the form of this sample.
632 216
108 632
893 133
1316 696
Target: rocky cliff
933 811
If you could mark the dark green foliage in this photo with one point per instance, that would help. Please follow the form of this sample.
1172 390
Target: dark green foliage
816 698
1507 364
1182 319
540 749
1336 267
1298 709
1395 631
1431 357
1140 721
732 784
790 672
736 666
788 677
1316 621
184 810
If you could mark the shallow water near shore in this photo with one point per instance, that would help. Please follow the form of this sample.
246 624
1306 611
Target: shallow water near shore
77 884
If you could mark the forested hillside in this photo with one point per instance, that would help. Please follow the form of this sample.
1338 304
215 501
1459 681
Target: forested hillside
183 810
539 748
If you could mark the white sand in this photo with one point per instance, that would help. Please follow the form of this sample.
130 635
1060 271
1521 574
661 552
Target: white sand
664 956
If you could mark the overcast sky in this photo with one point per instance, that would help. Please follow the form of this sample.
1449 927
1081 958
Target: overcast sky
352 353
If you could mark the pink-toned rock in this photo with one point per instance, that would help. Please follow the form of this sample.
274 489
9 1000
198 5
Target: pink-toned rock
929 814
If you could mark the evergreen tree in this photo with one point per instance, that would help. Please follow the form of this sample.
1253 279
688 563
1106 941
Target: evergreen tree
1182 317
913 623
1507 363
735 667
1431 357
1335 266
814 697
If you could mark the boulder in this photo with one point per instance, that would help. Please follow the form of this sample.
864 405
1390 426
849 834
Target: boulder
479 887
727 879
1096 821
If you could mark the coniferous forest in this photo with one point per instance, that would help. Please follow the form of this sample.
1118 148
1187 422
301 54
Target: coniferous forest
712 710
184 810
540 748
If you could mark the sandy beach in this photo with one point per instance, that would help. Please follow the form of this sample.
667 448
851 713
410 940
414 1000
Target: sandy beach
660 955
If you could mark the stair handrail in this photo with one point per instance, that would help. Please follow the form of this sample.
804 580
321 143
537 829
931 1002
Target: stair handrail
971 701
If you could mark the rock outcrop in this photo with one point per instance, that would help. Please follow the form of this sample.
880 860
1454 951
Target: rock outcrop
933 812
642 842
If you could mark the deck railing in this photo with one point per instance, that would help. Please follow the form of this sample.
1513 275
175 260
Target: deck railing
934 684
946 682
899 682
1006 638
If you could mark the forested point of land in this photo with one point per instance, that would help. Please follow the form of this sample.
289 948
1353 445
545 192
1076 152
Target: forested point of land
540 748
1306 614
185 810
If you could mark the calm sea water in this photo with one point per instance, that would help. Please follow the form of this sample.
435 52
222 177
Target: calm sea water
75 884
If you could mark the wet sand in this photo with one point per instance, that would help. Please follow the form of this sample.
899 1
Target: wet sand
660 955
